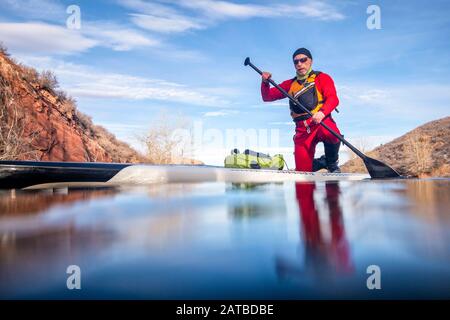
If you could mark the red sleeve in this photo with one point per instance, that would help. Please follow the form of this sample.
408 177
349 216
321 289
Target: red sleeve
326 86
272 94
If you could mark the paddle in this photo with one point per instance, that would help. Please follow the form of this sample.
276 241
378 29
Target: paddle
376 168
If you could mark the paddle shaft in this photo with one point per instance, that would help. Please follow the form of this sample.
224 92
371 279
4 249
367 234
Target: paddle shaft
337 135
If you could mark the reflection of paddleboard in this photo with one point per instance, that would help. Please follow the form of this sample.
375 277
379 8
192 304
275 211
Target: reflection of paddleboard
36 175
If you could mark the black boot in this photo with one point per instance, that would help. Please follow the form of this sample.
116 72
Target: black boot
319 163
332 157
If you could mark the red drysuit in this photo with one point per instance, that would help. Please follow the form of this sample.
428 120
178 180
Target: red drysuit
307 133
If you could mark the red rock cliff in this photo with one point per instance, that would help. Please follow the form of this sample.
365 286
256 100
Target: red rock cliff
39 122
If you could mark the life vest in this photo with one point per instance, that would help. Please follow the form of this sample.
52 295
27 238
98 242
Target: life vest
307 94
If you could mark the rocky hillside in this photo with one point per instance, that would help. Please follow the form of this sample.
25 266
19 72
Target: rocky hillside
40 122
422 152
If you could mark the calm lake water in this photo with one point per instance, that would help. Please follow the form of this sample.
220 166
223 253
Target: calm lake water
226 241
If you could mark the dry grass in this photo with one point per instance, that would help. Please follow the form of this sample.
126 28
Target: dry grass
14 143
3 49
68 108
442 171
48 81
29 74
119 151
420 149
84 120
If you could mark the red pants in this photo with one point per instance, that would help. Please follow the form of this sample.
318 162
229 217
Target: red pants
307 137
321 252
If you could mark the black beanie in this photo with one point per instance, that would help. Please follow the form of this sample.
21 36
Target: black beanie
304 51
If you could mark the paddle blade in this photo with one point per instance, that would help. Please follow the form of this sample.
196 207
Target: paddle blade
379 170
247 61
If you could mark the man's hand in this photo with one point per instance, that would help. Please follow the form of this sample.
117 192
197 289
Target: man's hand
318 117
266 76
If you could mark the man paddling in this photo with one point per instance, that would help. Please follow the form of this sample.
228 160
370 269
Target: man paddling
314 90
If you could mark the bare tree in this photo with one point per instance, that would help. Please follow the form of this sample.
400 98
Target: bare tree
3 49
48 81
169 140
361 144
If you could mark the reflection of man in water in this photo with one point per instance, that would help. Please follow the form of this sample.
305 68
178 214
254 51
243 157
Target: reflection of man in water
322 257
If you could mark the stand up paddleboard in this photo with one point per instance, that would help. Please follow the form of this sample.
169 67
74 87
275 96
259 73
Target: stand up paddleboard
42 175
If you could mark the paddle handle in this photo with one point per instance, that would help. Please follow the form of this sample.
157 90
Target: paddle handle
294 101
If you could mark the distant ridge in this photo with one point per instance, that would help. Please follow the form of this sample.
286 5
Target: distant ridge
422 152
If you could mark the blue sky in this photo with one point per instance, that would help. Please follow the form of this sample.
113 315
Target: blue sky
133 58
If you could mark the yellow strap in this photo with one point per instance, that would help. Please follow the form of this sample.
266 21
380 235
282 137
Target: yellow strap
319 105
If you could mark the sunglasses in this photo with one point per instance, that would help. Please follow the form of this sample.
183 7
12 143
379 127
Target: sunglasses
302 60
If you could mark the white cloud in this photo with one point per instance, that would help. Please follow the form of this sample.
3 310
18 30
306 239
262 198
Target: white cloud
184 15
227 9
373 95
363 94
171 53
117 37
43 38
220 113
282 123
215 114
35 9
160 18
282 103
84 81
407 100
109 85
169 24
319 10
149 7
277 103
35 37
163 17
